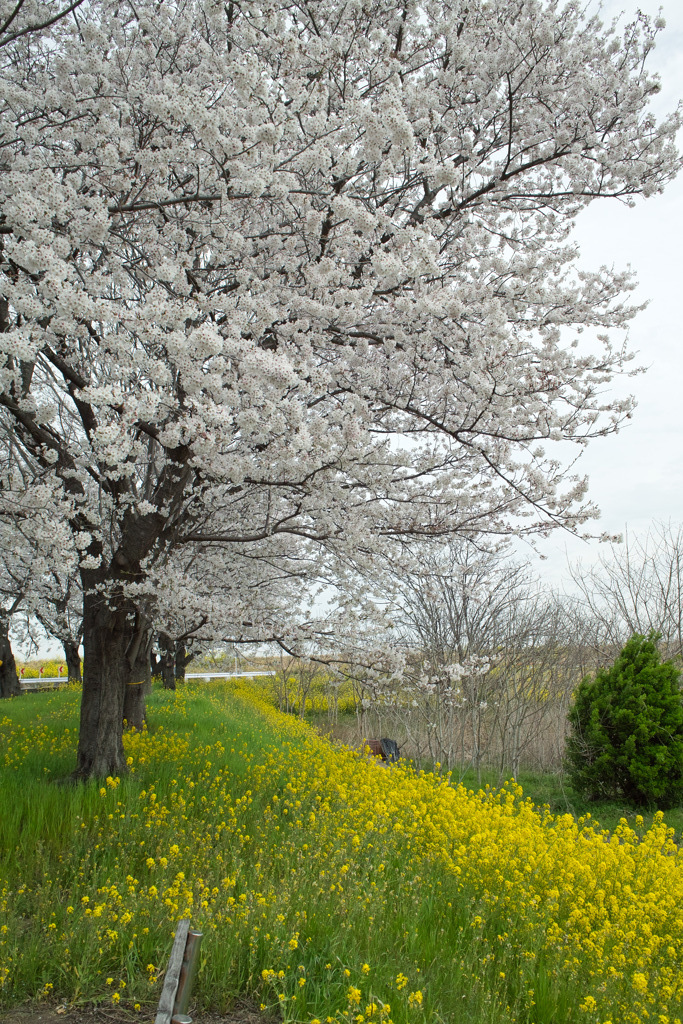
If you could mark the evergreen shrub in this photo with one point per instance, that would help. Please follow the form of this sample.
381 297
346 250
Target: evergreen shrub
626 729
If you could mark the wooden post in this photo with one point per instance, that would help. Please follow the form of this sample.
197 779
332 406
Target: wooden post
187 973
175 962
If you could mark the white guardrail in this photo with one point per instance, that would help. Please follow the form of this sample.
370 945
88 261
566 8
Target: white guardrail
229 675
39 682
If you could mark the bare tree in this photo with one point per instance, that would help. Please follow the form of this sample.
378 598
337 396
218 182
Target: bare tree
492 661
637 587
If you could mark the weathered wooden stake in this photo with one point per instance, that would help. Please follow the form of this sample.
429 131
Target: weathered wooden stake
187 972
175 962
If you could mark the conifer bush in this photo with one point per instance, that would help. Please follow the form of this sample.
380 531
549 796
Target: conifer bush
626 729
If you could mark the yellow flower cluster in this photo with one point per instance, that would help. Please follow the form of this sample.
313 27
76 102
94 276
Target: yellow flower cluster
321 696
328 885
608 909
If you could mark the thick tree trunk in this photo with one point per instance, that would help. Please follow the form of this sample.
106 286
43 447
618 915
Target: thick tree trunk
139 685
9 681
182 660
134 712
108 633
167 658
73 661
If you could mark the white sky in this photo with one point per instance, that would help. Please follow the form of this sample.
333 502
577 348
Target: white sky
636 476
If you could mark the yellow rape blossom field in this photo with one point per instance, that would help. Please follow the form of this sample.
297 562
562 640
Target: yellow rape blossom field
329 887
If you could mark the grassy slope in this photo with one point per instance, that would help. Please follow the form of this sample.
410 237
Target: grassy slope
327 887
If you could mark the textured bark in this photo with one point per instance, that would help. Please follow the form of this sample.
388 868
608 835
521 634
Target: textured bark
9 681
139 683
108 633
73 661
134 712
182 660
167 659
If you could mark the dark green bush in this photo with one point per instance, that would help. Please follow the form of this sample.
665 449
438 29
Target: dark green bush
626 737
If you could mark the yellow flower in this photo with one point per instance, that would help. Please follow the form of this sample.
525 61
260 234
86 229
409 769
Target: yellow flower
353 996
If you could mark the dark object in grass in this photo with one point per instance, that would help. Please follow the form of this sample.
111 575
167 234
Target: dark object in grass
385 749
390 751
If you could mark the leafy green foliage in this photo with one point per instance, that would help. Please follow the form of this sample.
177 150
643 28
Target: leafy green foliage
627 729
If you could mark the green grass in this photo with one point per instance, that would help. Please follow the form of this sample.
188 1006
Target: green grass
301 863
58 847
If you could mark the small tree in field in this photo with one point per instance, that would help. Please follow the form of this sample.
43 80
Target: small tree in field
627 729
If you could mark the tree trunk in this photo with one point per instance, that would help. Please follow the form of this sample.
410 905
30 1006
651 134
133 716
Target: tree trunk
73 661
167 658
9 681
182 660
108 633
134 712
139 685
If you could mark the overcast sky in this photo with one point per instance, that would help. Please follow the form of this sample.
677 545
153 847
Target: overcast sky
637 476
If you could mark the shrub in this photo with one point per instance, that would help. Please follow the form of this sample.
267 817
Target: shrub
626 724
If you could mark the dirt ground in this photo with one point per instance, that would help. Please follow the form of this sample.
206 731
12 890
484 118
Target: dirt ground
242 1013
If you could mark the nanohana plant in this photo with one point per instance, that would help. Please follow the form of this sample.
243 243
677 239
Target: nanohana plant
292 281
627 729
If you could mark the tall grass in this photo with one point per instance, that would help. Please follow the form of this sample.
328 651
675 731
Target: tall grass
328 886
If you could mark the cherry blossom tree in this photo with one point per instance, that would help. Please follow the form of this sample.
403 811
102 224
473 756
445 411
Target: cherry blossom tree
60 613
43 586
302 272
31 547
13 586
9 680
